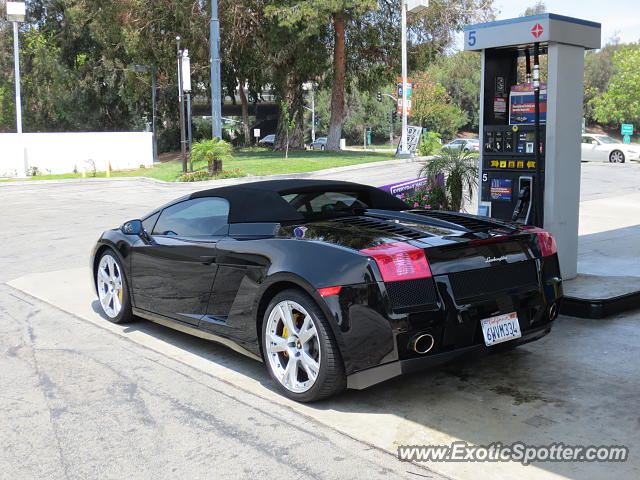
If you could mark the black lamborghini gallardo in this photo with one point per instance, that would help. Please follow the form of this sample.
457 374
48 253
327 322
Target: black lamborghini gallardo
332 284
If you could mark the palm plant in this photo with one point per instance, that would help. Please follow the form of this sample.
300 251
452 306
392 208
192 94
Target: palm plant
210 154
460 171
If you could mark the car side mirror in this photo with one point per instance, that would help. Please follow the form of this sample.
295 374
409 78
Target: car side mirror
132 227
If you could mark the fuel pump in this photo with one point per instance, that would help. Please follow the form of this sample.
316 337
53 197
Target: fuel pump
530 126
513 148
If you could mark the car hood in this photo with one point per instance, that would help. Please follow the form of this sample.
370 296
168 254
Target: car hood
342 234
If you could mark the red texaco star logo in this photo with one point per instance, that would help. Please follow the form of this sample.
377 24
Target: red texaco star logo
537 30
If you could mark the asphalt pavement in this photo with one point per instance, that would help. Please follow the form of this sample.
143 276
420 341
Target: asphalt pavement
77 401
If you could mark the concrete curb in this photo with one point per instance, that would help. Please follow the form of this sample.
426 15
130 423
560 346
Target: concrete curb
221 182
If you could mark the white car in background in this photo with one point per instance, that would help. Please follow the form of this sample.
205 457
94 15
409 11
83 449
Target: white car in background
601 148
464 144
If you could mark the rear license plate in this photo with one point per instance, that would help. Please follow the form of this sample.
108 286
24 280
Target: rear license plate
500 328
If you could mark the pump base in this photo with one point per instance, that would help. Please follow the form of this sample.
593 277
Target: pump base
599 296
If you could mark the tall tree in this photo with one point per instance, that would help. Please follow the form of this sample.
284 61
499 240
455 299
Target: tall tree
619 103
365 41
77 57
242 24
433 108
432 32
598 69
295 55
460 74
317 14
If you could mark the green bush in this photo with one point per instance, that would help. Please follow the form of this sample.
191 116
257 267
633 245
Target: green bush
194 176
430 144
235 173
202 175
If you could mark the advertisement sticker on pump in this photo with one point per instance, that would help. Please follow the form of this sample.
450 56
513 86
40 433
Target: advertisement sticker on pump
501 189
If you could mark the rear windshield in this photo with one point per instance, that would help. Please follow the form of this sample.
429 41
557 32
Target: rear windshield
326 204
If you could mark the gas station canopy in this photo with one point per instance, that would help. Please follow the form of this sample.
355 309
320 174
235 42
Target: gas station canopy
543 28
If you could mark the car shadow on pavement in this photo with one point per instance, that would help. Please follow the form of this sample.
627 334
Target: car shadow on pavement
572 386
206 349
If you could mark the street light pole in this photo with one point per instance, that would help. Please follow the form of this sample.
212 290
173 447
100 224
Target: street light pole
154 112
408 6
313 115
16 12
216 88
186 89
16 66
310 87
404 151
183 140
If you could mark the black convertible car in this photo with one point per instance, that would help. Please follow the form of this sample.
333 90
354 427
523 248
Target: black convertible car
331 284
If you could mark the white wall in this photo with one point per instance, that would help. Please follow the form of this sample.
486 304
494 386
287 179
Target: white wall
65 152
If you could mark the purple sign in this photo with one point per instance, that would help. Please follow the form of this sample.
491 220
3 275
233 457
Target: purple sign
410 186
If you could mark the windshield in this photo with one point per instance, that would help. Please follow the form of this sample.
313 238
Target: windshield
326 204
605 139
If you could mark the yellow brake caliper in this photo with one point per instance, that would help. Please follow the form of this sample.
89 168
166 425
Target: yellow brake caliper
285 332
285 335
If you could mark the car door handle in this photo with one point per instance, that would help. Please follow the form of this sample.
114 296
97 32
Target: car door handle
206 260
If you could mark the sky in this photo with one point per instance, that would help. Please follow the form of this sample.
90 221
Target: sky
619 18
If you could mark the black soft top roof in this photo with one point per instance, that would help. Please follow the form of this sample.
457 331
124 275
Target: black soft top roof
263 202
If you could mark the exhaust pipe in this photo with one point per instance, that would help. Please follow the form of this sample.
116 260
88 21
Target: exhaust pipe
553 311
422 343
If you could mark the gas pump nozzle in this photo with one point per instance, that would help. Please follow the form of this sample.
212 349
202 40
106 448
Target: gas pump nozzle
524 200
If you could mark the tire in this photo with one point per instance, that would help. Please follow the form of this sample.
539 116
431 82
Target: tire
616 157
110 280
322 147
280 346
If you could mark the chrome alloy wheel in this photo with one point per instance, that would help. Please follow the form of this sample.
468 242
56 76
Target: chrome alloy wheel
616 157
293 346
109 280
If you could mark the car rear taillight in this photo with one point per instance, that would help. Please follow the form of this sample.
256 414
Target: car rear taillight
399 261
547 243
545 240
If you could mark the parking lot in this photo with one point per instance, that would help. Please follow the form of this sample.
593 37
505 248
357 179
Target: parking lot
97 399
